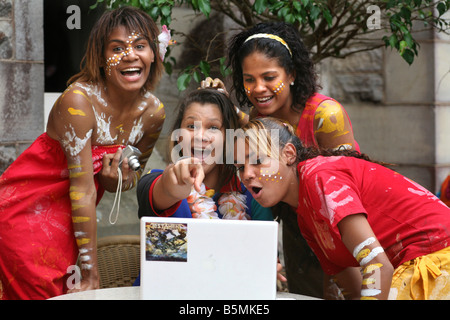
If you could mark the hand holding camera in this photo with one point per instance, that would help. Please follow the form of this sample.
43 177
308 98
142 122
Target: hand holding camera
132 154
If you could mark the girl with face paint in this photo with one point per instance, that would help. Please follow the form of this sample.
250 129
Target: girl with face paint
273 75
48 196
354 213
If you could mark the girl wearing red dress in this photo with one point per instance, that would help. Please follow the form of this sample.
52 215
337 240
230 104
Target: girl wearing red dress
49 194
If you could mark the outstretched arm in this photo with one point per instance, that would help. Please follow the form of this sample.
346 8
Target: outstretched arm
176 182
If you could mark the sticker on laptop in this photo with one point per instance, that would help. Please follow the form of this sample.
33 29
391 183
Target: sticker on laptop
166 241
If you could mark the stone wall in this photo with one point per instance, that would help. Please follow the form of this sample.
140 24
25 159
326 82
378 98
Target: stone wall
21 76
400 113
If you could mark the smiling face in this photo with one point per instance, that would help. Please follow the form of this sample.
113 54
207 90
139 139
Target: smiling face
266 84
202 133
128 59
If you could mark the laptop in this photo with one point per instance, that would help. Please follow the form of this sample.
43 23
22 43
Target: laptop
208 259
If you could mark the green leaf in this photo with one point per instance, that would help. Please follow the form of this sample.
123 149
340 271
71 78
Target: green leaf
96 4
154 13
183 81
259 6
168 67
408 56
297 6
328 17
315 11
205 7
405 13
402 47
166 11
393 42
205 68
223 67
409 39
441 7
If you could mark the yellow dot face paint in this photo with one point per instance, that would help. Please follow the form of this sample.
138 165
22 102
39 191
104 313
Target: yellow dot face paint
116 59
279 88
271 175
76 112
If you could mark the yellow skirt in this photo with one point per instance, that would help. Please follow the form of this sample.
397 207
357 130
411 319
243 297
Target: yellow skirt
424 278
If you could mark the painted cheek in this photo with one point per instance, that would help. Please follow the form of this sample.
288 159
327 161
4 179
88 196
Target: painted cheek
278 89
270 176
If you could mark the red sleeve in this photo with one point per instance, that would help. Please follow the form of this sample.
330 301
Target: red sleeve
164 213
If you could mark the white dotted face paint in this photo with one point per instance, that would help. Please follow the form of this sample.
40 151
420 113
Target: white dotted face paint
115 60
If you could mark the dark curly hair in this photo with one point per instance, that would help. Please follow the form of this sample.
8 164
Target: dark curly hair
300 64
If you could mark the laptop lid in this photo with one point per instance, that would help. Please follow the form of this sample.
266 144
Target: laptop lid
208 259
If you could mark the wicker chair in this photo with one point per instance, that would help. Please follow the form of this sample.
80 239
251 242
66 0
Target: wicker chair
118 260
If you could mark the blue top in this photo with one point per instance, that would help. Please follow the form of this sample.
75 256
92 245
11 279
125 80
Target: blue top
181 210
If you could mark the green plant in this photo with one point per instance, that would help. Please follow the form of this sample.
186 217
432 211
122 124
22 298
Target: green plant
331 28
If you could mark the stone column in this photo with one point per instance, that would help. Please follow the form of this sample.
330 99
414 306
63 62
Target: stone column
21 76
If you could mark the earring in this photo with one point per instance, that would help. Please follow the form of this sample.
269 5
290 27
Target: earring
292 83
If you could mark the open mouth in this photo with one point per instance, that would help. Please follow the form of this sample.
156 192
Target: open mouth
264 100
131 72
256 190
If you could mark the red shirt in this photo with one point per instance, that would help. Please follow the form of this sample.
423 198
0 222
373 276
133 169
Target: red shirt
408 220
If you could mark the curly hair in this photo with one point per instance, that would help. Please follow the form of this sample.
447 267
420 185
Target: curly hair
92 64
300 64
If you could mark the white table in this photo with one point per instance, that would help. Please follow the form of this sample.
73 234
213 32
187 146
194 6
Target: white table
133 293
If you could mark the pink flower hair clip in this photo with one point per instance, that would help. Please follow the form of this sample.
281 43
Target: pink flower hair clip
164 40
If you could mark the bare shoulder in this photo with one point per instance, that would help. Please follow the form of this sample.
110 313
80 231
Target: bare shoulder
75 99
153 109
329 107
73 107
